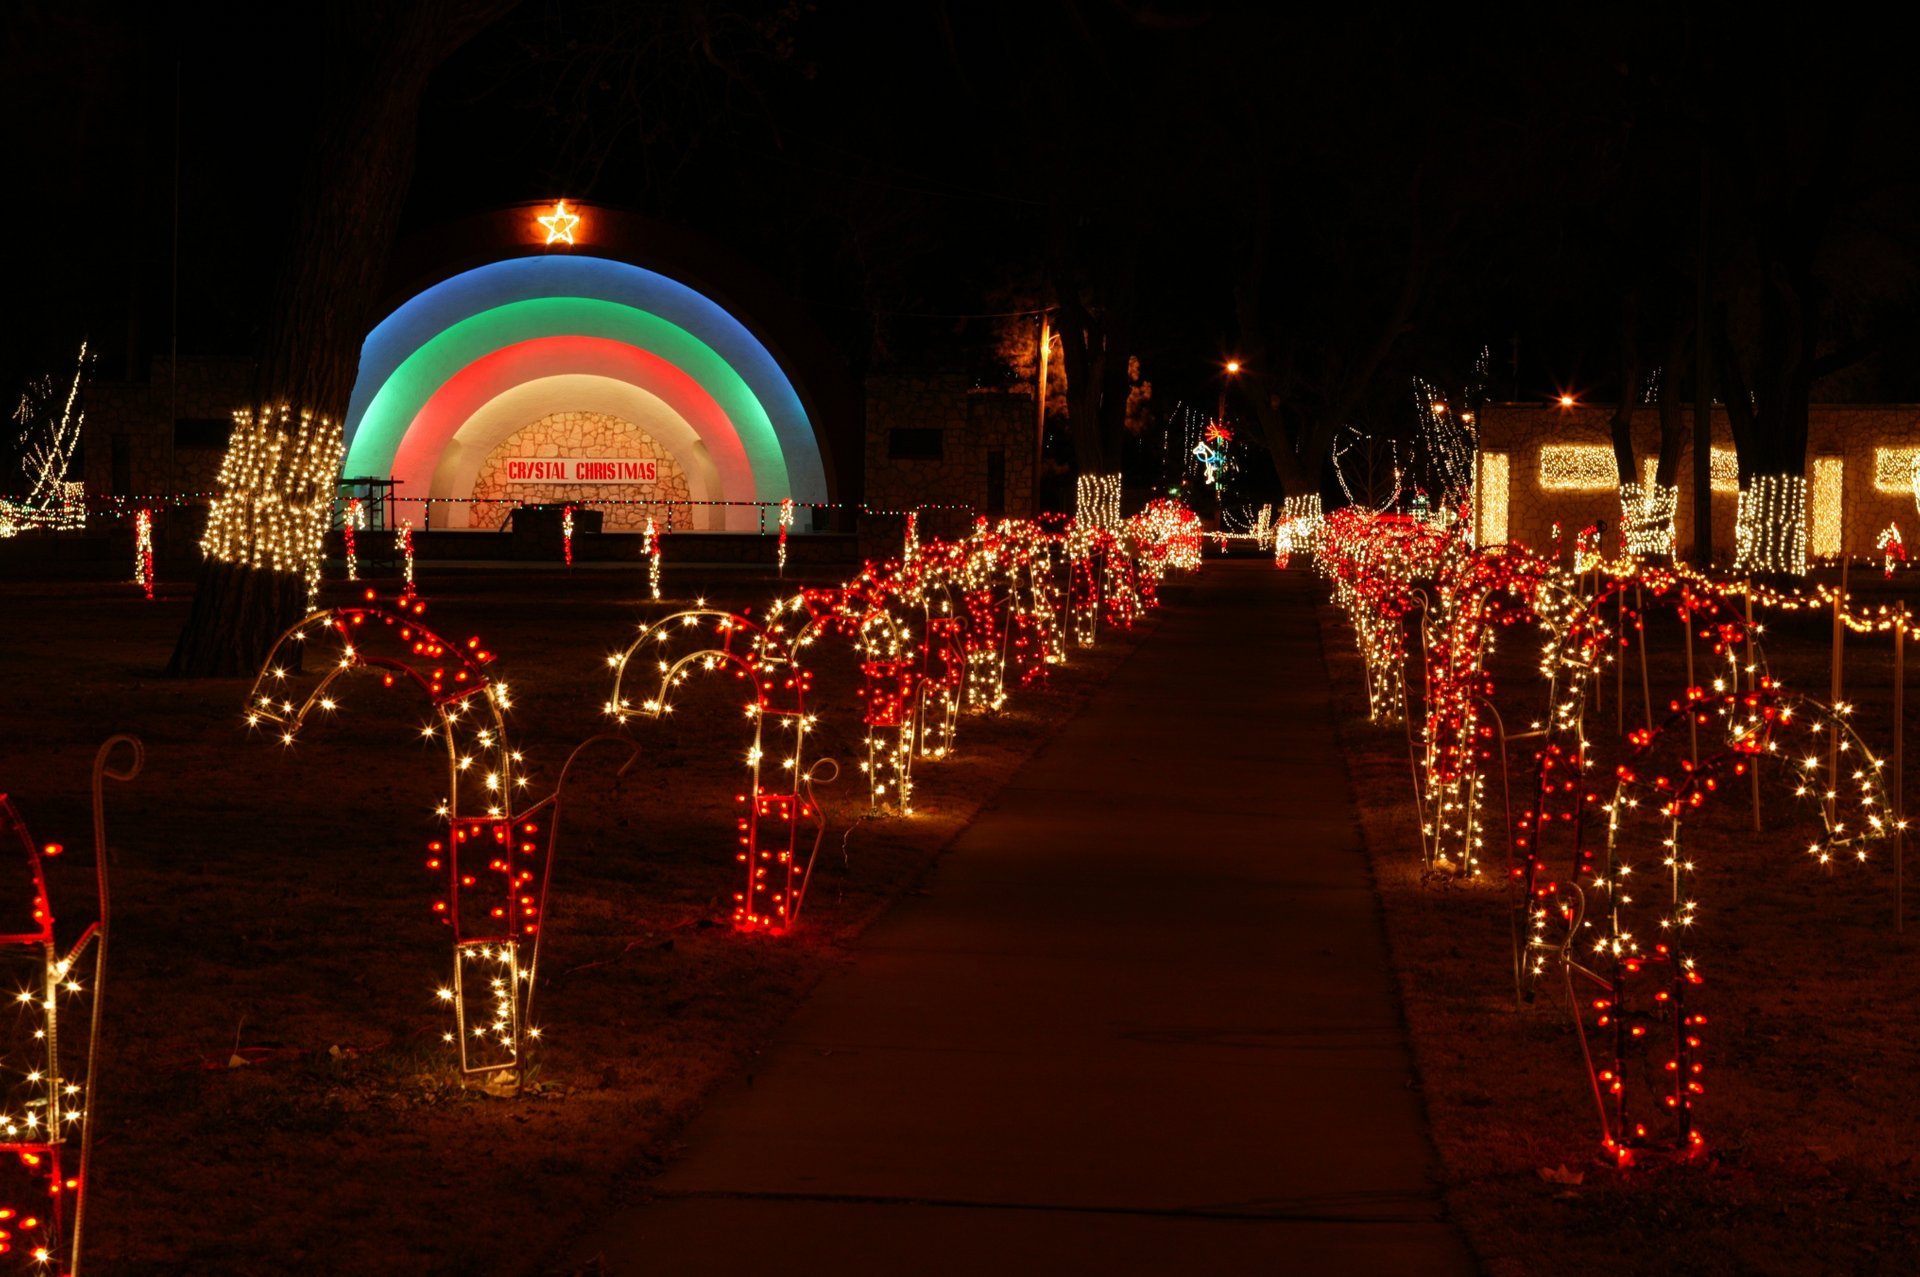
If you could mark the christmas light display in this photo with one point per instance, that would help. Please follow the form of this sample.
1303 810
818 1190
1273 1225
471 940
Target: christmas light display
1625 957
143 551
1211 453
1097 501
1647 511
777 801
490 860
1723 470
351 522
786 521
406 557
566 535
1892 549
559 224
48 442
276 493
1448 439
1825 496
652 547
1299 527
1490 498
1893 469
52 1048
1577 467
567 330
1770 526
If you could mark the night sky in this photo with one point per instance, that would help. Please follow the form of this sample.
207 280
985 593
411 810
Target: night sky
899 166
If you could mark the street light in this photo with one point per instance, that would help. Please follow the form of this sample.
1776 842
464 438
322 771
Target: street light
1233 367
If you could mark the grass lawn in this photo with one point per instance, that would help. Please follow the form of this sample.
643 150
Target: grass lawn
273 903
1812 1055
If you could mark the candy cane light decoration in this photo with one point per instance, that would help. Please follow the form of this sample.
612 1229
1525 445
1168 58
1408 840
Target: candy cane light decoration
47 1097
493 865
776 801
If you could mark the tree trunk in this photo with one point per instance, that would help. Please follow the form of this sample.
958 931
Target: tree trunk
380 56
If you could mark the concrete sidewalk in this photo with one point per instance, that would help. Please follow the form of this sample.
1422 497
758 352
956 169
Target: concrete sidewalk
1142 1023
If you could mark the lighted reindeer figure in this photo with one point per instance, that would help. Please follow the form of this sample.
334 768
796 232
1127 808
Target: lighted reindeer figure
494 867
52 1049
776 801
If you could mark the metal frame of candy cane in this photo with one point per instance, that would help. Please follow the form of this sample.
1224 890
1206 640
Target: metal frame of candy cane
491 925
1754 722
49 1109
768 829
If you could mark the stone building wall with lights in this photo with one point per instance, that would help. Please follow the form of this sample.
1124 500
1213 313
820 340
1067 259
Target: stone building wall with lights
933 440
1557 464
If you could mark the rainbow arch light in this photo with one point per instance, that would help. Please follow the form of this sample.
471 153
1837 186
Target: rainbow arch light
461 366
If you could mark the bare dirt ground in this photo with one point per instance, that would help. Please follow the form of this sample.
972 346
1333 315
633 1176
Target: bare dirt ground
273 903
1812 1055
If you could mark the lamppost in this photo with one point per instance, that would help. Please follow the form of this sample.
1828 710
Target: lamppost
1232 370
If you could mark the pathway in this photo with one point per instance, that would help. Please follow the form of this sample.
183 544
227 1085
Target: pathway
1142 1023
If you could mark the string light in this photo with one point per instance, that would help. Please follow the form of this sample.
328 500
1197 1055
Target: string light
566 535
1299 528
406 556
1893 469
1581 467
490 861
786 521
1384 567
777 798
143 551
1892 549
356 518
276 493
1770 527
1097 501
47 444
52 1044
1829 485
1490 498
652 546
1647 513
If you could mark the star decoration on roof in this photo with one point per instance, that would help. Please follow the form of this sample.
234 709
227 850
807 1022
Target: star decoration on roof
560 223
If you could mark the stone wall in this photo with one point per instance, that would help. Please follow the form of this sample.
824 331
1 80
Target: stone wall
581 434
1851 433
973 426
137 417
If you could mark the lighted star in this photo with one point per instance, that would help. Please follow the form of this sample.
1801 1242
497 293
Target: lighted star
560 223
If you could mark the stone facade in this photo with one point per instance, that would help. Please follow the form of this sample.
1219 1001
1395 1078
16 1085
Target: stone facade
1871 442
581 434
955 446
134 432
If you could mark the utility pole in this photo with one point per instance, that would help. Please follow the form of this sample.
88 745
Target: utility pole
1040 409
1702 392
